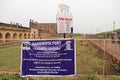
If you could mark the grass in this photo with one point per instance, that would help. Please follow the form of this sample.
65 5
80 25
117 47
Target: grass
10 57
88 60
11 77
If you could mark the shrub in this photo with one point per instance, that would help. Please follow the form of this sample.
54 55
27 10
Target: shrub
92 76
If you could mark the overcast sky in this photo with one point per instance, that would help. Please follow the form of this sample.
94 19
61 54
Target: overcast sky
89 16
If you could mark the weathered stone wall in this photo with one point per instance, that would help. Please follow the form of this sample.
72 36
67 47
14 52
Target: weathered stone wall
10 32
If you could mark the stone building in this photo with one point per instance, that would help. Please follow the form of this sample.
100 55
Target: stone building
43 28
15 32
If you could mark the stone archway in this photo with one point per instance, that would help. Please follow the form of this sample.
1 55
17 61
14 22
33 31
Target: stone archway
1 37
15 36
20 36
25 36
29 36
7 37
34 34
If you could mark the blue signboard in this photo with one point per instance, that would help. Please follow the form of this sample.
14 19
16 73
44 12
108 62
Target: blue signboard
48 57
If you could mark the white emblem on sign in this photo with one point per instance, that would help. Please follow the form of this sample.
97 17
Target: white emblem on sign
26 45
68 46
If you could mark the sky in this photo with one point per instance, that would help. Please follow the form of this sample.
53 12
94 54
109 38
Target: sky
89 16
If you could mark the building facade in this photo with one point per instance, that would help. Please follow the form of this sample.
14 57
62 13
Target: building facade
16 32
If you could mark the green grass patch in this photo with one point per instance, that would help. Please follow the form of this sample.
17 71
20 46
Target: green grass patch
12 77
10 57
9 45
88 59
117 77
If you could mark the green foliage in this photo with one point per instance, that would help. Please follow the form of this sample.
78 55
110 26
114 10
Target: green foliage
108 32
11 77
57 78
91 76
117 78
118 30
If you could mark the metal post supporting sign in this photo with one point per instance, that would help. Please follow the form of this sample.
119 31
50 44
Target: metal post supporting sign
71 31
48 57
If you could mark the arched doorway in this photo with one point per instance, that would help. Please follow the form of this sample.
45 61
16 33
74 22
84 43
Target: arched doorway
1 37
15 36
7 37
34 34
20 36
25 36
28 36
